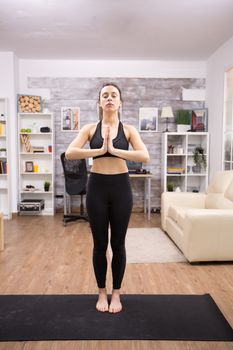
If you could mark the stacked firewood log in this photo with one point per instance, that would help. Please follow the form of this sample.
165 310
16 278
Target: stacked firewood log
29 104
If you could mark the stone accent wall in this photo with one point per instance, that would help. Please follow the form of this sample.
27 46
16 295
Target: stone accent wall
136 93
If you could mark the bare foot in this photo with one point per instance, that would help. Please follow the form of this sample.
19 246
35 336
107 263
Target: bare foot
115 305
102 303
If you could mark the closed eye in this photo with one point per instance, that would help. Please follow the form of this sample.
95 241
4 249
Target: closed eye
105 95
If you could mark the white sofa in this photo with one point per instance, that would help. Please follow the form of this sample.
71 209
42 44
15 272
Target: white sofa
201 224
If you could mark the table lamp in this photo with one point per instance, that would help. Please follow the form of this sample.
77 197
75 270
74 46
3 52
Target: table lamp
167 113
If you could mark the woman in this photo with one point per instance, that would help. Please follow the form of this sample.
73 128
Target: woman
109 196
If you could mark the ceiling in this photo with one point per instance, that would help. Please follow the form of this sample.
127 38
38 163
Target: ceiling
115 29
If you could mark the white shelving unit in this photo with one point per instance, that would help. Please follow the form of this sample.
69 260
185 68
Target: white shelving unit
177 153
40 166
5 195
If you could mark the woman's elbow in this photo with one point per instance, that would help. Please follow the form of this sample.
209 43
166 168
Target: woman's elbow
68 154
146 158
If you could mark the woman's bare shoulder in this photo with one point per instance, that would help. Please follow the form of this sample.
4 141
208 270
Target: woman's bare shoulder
88 127
88 130
130 128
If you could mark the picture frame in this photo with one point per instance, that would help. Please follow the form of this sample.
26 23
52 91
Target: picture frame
148 119
29 167
199 119
70 119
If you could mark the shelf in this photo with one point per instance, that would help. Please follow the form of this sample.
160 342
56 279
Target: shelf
36 133
177 155
35 153
196 174
34 173
35 114
37 192
5 179
185 142
43 161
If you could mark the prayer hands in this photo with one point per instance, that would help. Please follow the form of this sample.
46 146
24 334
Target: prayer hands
107 144
110 138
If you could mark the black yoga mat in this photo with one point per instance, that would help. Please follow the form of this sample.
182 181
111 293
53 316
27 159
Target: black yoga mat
144 317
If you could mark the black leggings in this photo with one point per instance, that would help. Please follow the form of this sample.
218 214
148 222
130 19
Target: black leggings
109 201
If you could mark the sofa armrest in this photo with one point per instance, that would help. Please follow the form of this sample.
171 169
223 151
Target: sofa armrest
208 233
181 199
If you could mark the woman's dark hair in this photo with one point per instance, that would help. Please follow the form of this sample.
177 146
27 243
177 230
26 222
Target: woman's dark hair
100 108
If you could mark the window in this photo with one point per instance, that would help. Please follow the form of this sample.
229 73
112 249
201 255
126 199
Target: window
228 121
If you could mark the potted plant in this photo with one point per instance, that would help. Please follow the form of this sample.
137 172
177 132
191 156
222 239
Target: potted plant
199 159
170 186
46 186
183 120
3 152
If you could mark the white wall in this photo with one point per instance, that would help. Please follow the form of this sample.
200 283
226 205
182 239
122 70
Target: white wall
8 88
217 64
15 72
129 69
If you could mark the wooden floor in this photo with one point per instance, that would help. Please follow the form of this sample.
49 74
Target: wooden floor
43 257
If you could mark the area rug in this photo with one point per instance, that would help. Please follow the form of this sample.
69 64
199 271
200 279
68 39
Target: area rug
144 317
151 245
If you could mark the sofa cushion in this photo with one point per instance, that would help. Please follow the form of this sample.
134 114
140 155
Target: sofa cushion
220 181
229 191
178 214
218 201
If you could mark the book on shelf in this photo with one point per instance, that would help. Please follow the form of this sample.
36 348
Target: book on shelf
175 170
38 149
2 129
3 167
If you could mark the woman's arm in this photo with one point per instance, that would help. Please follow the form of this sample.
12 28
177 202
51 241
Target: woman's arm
76 151
139 152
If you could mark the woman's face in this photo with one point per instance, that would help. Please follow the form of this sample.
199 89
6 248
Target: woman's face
110 99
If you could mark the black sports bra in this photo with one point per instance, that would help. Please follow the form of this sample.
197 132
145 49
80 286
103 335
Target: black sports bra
119 142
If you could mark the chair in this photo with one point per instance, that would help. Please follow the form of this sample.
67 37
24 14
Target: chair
75 174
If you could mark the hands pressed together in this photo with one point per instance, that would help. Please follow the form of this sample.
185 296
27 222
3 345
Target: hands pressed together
107 144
